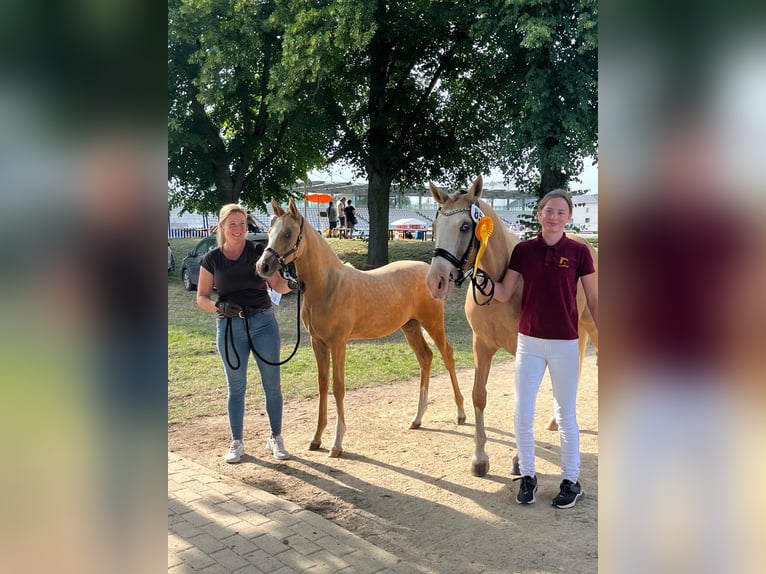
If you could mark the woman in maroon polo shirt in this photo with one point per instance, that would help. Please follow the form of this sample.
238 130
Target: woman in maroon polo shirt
551 265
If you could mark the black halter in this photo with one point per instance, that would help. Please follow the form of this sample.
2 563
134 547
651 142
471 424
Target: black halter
281 258
458 263
481 282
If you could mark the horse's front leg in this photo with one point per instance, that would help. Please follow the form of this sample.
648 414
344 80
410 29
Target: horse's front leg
482 357
339 392
322 356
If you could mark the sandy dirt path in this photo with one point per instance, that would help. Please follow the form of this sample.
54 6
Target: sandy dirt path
411 492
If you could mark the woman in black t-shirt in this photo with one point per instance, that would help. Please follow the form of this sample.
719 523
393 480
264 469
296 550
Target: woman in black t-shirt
243 300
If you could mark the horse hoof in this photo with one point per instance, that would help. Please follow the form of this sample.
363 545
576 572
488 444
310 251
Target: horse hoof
335 452
480 468
314 445
461 420
553 425
515 470
414 425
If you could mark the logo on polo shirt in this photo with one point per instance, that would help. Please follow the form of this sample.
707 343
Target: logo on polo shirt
563 262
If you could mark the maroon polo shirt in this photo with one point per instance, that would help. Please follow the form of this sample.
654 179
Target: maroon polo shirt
549 298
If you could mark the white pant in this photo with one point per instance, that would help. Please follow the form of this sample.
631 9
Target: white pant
562 359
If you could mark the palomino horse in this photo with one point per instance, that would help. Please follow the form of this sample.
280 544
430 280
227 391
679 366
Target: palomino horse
343 303
495 325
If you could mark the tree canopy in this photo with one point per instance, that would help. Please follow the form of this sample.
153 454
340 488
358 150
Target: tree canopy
395 77
551 110
403 91
229 140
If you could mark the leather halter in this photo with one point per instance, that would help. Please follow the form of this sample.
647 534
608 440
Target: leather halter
459 264
281 258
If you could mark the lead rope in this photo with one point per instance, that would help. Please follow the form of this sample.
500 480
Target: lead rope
229 336
297 343
479 282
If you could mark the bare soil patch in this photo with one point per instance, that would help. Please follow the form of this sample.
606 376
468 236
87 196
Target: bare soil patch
411 492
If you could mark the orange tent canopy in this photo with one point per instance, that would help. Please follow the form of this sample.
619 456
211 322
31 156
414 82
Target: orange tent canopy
319 197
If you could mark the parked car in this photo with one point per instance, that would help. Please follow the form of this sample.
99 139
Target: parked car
171 259
190 263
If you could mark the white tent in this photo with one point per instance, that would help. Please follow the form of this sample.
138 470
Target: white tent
408 223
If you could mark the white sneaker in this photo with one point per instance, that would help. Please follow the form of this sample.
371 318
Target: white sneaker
236 450
277 447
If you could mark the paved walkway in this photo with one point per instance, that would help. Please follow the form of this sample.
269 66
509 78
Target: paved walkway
219 525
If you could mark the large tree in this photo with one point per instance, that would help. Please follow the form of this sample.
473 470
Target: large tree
230 138
435 89
552 112
380 69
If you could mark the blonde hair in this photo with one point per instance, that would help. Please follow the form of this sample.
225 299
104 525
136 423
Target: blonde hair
556 193
223 215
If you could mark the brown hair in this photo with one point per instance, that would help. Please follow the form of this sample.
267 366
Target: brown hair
556 193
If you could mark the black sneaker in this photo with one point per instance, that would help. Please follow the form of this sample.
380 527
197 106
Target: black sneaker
569 494
527 489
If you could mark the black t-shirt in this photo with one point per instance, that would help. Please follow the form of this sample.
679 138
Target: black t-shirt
237 281
350 214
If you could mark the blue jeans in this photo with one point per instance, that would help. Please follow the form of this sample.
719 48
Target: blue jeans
264 332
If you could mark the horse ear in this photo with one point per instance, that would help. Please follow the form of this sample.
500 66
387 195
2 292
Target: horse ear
438 194
475 190
278 211
294 210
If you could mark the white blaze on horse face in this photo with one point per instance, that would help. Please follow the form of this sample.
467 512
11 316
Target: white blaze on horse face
449 233
274 231
268 258
283 236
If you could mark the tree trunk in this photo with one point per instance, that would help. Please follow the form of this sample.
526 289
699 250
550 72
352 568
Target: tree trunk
225 189
379 188
379 142
551 178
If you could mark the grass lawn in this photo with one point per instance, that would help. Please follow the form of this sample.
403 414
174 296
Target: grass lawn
196 382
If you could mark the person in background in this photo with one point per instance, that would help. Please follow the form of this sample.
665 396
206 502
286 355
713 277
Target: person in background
332 217
342 217
350 219
551 264
243 306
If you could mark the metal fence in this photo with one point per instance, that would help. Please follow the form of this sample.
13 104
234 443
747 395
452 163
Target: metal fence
179 232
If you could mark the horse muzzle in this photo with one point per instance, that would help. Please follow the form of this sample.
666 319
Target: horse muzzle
439 279
268 264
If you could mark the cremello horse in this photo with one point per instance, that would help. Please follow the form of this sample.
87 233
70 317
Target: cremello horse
343 303
494 325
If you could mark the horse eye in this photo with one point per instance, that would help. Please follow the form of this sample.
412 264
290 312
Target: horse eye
465 227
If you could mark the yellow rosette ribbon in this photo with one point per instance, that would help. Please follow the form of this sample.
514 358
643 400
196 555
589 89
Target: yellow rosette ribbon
484 229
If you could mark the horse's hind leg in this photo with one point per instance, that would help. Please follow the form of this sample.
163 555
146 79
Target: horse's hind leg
417 342
439 336
590 328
